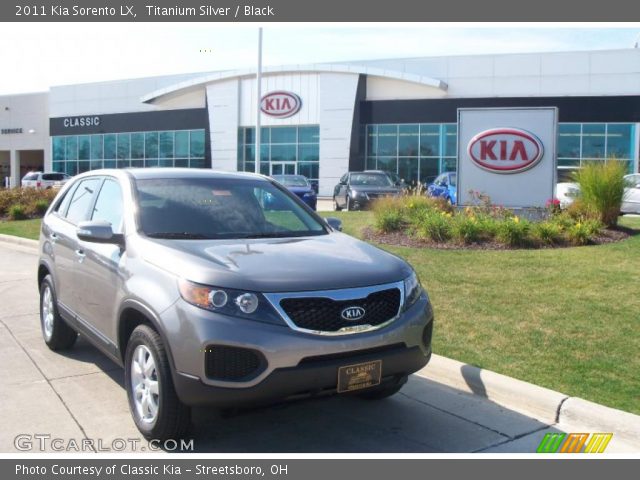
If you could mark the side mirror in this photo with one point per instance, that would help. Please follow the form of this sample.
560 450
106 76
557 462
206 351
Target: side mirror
99 232
334 223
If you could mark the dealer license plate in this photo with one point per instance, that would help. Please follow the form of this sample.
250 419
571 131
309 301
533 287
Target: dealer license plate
359 376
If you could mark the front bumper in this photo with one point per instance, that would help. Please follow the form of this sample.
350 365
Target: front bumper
297 364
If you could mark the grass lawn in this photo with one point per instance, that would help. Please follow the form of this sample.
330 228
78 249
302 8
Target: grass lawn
567 319
21 228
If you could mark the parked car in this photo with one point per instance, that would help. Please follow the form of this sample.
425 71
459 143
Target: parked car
44 180
566 193
300 186
207 297
444 186
631 201
356 190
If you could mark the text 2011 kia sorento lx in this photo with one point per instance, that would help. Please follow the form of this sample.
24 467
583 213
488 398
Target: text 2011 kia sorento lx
223 289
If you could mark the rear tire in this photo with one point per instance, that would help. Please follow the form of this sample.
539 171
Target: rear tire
336 207
155 407
55 331
384 392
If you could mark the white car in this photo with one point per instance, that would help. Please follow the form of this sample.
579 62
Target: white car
631 201
567 192
44 181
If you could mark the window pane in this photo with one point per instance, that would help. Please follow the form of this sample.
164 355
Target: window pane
283 152
429 140
371 163
126 163
151 162
72 148
265 135
109 146
84 147
309 170
71 168
387 140
109 205
408 169
264 168
137 145
58 148
568 162
449 165
283 135
429 169
388 164
450 133
593 137
123 146
96 147
58 166
181 162
151 145
308 153
249 152
569 140
81 200
165 162
309 134
372 140
95 164
197 144
408 140
166 145
182 144
620 141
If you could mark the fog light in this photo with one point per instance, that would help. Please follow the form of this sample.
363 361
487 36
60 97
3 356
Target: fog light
247 302
218 298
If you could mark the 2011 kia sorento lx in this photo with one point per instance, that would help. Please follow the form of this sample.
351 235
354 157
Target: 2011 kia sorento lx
223 289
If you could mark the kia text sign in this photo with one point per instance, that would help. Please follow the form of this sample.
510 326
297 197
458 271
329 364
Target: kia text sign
280 104
507 153
505 150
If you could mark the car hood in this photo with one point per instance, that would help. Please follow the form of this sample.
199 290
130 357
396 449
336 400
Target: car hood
300 190
322 262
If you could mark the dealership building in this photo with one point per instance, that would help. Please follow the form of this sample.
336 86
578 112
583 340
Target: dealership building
323 120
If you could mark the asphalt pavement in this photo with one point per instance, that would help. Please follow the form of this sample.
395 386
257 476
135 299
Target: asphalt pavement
77 397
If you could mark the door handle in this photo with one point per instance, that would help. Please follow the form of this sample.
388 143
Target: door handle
80 254
53 237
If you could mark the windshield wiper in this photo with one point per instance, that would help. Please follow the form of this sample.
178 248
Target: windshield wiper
179 235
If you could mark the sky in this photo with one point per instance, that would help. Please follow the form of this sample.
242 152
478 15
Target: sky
37 56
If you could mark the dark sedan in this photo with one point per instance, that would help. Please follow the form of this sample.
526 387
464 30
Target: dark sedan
299 186
356 190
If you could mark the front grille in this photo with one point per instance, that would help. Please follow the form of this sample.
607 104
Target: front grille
324 314
223 362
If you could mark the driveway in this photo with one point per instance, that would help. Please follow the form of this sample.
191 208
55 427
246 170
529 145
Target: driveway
79 395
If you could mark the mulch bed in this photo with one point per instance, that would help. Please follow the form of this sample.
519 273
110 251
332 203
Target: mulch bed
402 239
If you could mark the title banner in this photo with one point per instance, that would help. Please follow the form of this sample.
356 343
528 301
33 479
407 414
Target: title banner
317 11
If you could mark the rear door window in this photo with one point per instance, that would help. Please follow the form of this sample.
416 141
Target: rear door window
108 206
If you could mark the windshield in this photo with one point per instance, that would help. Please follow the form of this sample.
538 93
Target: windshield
453 179
291 180
210 208
31 176
371 179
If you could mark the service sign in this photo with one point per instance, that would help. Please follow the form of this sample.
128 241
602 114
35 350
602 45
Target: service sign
505 150
508 154
280 104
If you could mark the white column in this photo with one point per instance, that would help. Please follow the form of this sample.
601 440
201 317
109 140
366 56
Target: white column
636 149
14 168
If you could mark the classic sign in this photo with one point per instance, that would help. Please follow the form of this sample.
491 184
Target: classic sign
505 150
280 104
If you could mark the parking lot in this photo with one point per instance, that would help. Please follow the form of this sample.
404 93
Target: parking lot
79 395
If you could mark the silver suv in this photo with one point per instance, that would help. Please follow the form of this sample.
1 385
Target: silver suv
223 289
44 181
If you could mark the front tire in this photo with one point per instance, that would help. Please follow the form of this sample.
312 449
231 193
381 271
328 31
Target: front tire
155 407
55 331
336 207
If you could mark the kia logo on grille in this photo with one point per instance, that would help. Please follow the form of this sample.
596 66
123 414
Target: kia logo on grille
353 313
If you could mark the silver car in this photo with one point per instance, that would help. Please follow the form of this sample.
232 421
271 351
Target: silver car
209 295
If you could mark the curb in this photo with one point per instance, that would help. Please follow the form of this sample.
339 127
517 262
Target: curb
542 403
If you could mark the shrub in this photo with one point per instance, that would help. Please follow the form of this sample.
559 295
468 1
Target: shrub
580 211
389 221
27 197
547 233
466 229
17 212
579 234
435 226
514 232
40 206
602 188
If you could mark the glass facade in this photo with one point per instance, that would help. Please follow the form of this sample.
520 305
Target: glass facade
420 152
75 154
288 150
416 152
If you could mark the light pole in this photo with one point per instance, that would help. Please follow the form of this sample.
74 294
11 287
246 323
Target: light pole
258 100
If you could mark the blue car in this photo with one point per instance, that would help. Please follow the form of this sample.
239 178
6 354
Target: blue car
444 186
300 186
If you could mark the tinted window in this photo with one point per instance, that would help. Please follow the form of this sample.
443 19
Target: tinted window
81 199
109 205
61 208
53 176
370 179
453 179
194 208
31 176
291 180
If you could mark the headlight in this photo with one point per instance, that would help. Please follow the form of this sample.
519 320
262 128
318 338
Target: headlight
310 194
227 301
412 290
362 195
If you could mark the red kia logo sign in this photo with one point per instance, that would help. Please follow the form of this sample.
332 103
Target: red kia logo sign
505 150
280 104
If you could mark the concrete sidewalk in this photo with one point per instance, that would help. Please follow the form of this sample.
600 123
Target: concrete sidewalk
79 395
